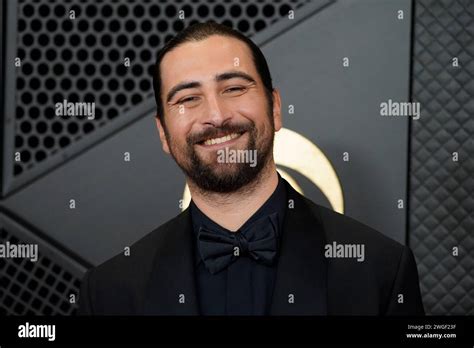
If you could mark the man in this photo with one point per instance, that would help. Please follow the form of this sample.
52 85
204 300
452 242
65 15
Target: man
249 244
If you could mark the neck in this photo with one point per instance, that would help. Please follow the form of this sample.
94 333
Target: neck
232 210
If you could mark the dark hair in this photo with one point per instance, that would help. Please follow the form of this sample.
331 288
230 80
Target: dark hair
201 31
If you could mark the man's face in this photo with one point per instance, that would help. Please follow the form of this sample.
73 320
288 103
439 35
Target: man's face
214 99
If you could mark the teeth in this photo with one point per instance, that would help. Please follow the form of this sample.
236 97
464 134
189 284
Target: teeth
221 140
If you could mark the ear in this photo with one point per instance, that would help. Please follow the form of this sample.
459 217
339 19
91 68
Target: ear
161 131
277 109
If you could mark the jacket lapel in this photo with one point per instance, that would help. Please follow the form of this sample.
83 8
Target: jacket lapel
301 280
172 288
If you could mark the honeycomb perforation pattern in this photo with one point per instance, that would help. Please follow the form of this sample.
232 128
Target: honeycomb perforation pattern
35 288
441 191
81 60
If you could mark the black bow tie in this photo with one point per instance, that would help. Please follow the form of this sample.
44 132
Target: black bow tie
219 248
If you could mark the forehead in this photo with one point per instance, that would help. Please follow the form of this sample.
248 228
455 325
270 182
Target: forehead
201 60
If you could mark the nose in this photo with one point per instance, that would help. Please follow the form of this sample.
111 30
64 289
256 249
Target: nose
215 114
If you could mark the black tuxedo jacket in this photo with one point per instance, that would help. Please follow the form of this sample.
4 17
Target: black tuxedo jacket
157 278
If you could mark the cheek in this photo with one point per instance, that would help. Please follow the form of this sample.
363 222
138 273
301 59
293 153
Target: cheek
251 106
183 122
177 131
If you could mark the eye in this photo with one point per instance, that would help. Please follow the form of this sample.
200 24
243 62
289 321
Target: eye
235 89
187 99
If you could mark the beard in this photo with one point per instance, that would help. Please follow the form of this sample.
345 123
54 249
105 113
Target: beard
209 175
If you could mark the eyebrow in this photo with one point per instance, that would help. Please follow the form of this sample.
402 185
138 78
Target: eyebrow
218 78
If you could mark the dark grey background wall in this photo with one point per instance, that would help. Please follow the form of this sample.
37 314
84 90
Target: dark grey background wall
442 190
336 107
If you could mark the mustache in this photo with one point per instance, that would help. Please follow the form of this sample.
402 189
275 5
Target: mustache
217 132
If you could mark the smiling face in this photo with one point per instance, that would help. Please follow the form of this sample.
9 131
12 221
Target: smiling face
214 99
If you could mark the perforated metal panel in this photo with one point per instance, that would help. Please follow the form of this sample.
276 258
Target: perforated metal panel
442 190
41 287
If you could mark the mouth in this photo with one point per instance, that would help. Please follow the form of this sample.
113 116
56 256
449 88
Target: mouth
226 139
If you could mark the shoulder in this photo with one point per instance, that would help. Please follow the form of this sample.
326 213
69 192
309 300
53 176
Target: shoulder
362 262
142 252
117 285
135 265
344 229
